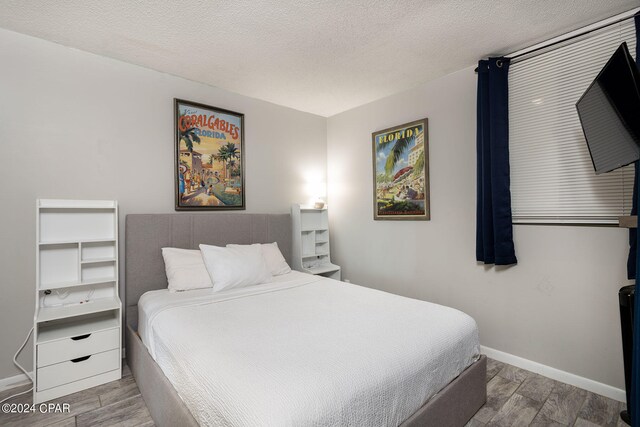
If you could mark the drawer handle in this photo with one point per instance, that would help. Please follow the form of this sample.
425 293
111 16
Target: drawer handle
81 337
80 359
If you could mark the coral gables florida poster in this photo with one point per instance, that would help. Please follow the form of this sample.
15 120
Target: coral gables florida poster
209 169
401 172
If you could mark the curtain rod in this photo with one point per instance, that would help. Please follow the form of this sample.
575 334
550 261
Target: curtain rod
574 36
577 33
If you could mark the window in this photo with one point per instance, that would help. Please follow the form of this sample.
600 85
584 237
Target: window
552 177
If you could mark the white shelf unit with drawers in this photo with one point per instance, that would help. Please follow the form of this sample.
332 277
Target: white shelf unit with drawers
77 322
311 242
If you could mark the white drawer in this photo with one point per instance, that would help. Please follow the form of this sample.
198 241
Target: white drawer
72 348
77 369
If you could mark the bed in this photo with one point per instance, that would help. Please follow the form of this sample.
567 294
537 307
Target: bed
299 350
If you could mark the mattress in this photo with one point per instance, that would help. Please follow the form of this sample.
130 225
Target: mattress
304 350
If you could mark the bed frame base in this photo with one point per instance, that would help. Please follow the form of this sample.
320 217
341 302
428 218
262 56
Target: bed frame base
162 400
453 406
457 403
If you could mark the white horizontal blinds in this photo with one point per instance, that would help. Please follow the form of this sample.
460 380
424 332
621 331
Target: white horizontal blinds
552 176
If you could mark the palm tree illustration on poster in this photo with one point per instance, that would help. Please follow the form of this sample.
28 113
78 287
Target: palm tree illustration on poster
209 157
400 172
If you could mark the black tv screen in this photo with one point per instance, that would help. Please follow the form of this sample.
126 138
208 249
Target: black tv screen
609 112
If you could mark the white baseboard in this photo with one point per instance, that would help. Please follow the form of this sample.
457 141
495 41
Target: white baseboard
11 382
556 374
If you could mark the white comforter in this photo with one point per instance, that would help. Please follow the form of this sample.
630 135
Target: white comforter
305 350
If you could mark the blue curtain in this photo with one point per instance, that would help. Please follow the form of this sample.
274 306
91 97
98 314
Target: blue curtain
634 409
494 230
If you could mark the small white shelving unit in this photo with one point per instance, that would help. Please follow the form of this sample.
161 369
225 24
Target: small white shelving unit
311 242
77 322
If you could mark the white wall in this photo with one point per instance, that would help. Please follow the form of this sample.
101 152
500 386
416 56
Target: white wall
557 307
77 125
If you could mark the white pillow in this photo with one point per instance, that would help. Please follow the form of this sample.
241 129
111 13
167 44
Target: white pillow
235 267
185 269
276 263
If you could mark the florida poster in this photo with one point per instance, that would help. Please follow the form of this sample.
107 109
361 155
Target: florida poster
209 157
401 172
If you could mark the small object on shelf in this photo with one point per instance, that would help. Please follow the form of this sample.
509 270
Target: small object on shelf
319 204
77 322
311 252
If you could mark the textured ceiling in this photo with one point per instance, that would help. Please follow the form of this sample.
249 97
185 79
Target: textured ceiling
320 56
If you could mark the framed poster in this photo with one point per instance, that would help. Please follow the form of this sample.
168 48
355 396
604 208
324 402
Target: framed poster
401 172
209 160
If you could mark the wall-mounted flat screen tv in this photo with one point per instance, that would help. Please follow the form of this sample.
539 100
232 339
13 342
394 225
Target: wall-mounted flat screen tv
609 112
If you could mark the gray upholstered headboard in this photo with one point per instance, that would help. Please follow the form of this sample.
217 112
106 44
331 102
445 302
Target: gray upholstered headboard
146 234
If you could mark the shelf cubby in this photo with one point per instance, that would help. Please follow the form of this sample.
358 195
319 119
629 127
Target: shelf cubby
308 243
98 250
60 224
322 236
313 219
102 271
58 264
74 293
46 314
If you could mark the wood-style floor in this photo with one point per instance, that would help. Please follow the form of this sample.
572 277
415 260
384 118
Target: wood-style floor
117 403
515 397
